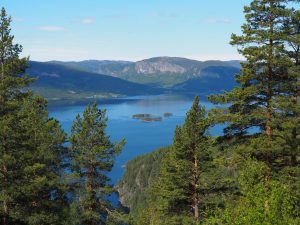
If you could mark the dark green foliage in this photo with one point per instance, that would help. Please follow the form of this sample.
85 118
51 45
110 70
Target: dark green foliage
266 101
263 80
42 192
180 179
250 207
92 155
140 173
177 196
31 191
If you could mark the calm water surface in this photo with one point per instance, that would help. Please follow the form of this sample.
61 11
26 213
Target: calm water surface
141 137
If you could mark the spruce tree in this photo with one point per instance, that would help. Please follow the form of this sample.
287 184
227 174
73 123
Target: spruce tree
92 155
181 186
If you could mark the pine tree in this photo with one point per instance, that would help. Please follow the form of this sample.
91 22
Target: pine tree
30 144
262 106
43 192
92 155
289 104
262 79
10 97
180 185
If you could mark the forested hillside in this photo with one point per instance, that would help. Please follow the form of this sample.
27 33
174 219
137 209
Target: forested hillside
61 82
214 79
141 172
250 174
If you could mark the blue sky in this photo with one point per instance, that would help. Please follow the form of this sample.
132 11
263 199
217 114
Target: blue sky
125 29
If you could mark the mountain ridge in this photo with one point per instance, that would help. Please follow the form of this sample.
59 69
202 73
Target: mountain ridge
56 81
157 71
77 80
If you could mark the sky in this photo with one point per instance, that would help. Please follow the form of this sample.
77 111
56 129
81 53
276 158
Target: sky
74 30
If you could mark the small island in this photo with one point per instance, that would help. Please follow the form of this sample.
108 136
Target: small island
146 117
141 116
168 114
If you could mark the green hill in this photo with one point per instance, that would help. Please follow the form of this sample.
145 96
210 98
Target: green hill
213 79
139 174
61 82
158 71
81 80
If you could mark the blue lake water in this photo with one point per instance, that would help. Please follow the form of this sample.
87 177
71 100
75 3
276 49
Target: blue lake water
141 137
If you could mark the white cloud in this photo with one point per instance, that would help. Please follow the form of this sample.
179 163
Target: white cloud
51 28
87 20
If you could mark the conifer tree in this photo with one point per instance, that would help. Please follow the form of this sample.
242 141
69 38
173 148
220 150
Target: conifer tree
261 80
30 144
290 105
262 106
43 192
10 96
250 206
92 155
180 185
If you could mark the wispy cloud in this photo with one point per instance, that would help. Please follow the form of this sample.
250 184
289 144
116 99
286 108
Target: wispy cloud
217 21
87 21
51 28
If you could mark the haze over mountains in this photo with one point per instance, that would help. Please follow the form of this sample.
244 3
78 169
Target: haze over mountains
96 78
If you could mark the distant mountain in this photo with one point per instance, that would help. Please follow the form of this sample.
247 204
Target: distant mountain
85 79
235 63
159 71
56 81
107 67
213 79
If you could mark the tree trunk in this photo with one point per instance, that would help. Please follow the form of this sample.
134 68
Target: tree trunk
269 108
5 212
195 183
269 99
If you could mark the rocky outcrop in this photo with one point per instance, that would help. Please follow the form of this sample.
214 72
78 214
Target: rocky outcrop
144 67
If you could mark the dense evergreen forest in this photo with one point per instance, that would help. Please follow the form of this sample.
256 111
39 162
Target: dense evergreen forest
249 175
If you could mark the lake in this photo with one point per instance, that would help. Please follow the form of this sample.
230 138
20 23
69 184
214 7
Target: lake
141 137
